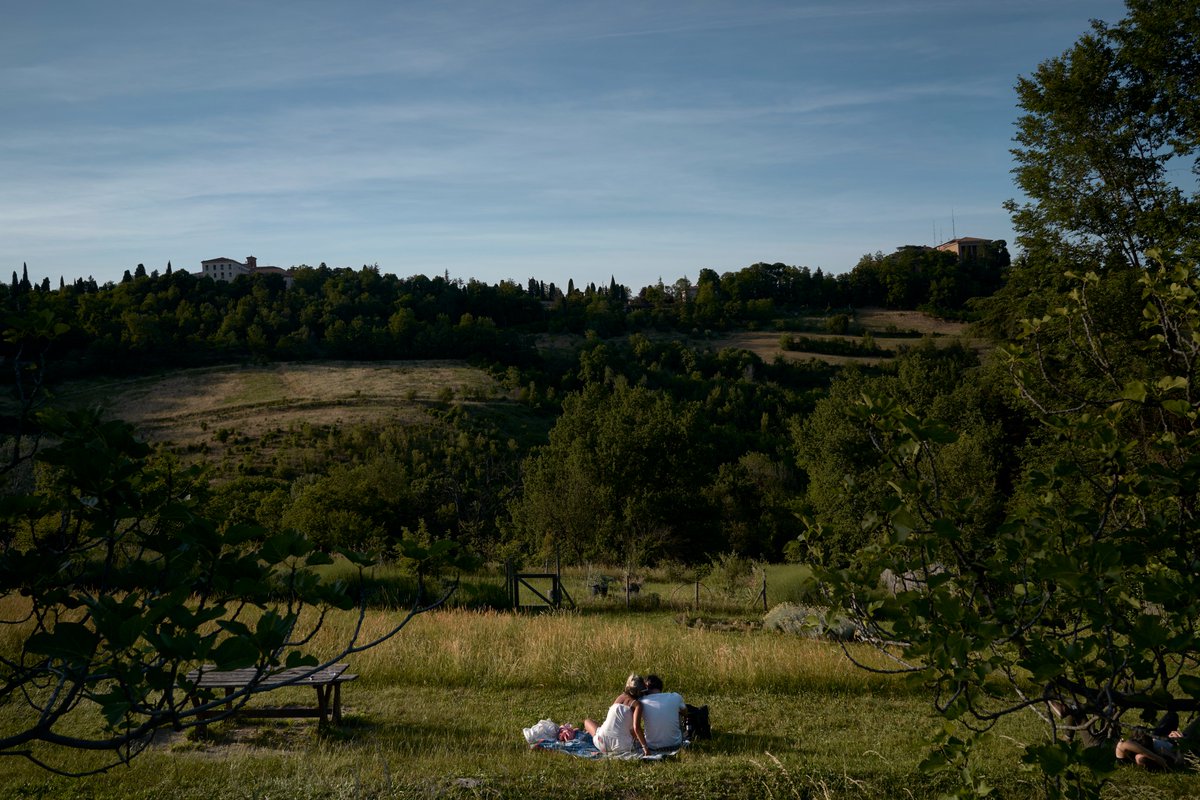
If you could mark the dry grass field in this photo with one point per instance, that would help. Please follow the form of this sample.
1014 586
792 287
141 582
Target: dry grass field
879 321
190 406
209 407
890 329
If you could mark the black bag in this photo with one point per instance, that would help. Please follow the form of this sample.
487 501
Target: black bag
697 726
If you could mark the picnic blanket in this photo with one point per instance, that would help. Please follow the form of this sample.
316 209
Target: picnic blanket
581 746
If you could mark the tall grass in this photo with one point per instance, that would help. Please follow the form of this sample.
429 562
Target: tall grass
438 712
590 652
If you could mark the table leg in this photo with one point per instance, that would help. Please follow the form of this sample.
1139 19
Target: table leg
323 702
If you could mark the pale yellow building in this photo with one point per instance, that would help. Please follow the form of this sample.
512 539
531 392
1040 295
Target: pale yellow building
227 269
966 247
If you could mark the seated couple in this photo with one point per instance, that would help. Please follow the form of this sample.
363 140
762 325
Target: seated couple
1164 747
643 716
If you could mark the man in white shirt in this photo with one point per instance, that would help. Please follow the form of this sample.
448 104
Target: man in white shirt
664 715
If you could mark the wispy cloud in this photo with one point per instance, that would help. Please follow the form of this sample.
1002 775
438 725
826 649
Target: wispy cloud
658 137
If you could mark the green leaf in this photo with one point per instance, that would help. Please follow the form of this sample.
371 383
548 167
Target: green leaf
1178 407
242 533
1135 391
1190 684
235 653
71 641
904 522
297 659
1171 383
317 559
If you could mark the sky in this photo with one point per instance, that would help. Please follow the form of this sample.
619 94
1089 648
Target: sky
508 140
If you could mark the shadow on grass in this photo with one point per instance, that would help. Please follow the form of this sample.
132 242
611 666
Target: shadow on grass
743 743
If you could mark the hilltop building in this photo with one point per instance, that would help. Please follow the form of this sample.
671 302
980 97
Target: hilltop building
227 269
966 247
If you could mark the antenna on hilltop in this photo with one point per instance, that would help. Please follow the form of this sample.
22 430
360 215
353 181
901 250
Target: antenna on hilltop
953 225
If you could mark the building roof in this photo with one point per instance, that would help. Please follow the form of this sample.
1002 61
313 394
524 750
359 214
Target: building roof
964 240
215 260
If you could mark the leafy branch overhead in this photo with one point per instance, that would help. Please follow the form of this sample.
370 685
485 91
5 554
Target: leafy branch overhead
116 585
1076 597
1088 592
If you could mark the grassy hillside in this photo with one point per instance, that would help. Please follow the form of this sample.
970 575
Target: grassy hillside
258 409
438 712
891 330
214 409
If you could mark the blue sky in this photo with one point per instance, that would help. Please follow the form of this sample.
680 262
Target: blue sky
509 140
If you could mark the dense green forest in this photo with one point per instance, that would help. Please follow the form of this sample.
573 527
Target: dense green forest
669 448
175 318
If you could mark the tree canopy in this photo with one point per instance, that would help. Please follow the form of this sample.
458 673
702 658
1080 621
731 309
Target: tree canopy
1084 591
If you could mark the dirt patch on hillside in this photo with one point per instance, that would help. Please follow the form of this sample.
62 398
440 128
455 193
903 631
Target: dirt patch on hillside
191 405
765 344
880 319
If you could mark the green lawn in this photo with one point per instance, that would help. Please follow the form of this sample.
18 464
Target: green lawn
439 710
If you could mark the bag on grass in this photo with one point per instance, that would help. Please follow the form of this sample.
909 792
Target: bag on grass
696 725
543 729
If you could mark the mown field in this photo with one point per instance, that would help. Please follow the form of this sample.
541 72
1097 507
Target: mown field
215 408
438 712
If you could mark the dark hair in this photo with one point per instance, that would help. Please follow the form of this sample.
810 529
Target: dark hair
654 683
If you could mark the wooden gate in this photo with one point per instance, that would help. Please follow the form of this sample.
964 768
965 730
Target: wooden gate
519 582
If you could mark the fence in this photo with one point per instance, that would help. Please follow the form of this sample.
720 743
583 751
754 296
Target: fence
547 589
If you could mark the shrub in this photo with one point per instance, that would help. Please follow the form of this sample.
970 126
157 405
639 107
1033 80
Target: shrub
732 574
811 622
838 324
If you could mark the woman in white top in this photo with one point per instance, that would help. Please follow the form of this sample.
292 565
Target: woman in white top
621 731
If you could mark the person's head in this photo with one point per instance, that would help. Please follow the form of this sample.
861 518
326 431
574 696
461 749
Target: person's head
653 683
634 685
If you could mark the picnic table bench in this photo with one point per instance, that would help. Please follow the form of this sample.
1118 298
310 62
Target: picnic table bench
327 682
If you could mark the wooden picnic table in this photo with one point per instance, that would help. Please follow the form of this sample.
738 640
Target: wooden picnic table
327 682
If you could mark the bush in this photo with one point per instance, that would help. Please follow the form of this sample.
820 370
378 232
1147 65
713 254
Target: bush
732 574
811 622
838 324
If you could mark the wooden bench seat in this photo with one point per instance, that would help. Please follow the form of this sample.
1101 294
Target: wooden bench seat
327 682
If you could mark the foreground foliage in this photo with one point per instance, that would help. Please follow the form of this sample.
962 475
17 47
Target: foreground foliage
120 586
1089 591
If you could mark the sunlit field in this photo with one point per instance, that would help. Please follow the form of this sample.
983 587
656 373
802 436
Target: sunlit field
438 712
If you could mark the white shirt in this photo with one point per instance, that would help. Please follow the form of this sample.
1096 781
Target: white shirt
660 718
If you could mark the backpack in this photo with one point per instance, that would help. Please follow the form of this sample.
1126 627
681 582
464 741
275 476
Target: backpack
696 724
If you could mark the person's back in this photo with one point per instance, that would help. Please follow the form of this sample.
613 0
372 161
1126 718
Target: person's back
662 715
615 734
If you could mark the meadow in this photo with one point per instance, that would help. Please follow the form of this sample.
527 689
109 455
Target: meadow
439 709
